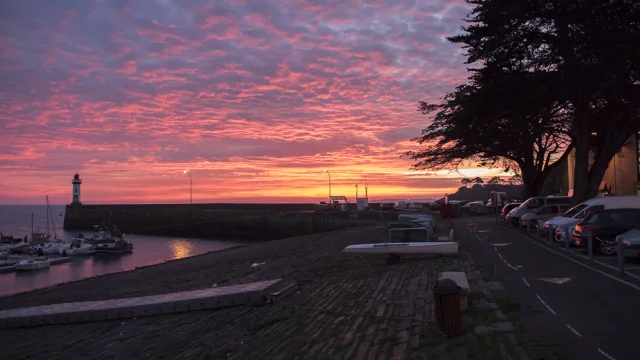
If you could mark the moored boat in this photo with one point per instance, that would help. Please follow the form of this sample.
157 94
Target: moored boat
114 246
32 264
78 246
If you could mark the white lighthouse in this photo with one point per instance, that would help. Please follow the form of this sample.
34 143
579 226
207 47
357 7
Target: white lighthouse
76 189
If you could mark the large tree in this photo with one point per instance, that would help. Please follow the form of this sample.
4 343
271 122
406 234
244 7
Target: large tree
591 47
500 119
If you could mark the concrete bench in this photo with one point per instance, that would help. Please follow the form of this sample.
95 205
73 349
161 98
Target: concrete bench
446 238
461 279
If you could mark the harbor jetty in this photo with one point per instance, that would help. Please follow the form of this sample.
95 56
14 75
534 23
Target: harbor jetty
217 220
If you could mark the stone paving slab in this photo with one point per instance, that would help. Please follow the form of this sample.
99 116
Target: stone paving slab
205 299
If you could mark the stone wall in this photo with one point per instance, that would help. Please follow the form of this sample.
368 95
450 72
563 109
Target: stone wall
233 221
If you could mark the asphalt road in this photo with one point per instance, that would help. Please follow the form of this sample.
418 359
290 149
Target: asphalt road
590 314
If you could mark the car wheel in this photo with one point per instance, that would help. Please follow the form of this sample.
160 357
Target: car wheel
607 246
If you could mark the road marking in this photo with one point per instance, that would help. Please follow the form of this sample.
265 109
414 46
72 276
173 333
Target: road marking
501 244
577 262
545 304
525 281
605 354
483 231
574 330
558 281
505 261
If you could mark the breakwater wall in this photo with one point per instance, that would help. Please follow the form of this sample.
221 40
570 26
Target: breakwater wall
238 221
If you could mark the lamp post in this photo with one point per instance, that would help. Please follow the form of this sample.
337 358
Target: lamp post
328 173
190 186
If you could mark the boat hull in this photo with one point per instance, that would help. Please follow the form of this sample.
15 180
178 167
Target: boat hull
408 248
114 250
32 266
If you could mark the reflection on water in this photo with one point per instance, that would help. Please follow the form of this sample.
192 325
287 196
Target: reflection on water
181 248
147 250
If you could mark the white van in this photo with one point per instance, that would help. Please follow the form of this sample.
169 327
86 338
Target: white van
576 213
534 203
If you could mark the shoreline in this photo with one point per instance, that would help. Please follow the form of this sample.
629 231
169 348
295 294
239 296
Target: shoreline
118 272
224 267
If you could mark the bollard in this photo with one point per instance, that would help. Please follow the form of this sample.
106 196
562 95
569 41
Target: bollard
538 231
446 296
620 251
566 239
528 226
486 257
496 263
590 245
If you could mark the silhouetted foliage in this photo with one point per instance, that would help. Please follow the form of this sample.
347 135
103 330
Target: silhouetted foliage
496 180
589 48
506 120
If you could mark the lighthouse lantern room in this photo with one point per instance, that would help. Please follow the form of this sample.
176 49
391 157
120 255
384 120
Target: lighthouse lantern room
76 189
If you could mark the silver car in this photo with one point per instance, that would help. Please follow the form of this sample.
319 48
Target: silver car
631 243
544 213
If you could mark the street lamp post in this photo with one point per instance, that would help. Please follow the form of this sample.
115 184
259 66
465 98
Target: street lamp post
328 173
190 187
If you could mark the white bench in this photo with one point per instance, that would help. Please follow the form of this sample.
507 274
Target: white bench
461 279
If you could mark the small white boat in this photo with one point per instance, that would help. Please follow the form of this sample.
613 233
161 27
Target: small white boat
50 248
407 248
32 264
78 246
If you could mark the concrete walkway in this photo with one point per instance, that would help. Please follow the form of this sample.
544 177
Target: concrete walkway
206 299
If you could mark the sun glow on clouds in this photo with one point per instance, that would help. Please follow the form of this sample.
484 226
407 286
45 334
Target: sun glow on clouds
253 97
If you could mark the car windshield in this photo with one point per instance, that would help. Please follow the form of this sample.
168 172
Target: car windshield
574 210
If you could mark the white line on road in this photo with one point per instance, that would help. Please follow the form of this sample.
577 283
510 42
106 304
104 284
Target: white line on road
574 330
577 262
545 304
525 281
605 354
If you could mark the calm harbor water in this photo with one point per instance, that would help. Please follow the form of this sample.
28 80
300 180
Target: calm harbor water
15 220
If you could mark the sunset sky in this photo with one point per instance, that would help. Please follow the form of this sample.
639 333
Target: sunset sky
255 98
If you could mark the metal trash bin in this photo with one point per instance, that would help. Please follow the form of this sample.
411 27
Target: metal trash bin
446 295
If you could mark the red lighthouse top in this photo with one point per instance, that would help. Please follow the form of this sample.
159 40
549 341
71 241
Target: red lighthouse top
76 176
76 179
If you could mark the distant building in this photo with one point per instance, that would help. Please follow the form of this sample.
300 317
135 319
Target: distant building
622 175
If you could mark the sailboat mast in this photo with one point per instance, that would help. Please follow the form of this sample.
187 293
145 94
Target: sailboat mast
46 209
50 215
31 224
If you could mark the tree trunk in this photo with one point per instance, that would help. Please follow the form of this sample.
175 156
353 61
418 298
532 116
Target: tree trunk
581 170
532 181
602 159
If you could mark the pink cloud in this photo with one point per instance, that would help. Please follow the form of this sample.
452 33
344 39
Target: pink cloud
262 93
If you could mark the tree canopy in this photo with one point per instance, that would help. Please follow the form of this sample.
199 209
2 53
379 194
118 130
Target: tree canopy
550 76
486 122
590 47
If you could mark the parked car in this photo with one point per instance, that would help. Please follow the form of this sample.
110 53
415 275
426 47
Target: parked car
605 226
387 206
534 203
631 243
543 213
507 208
569 219
474 208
